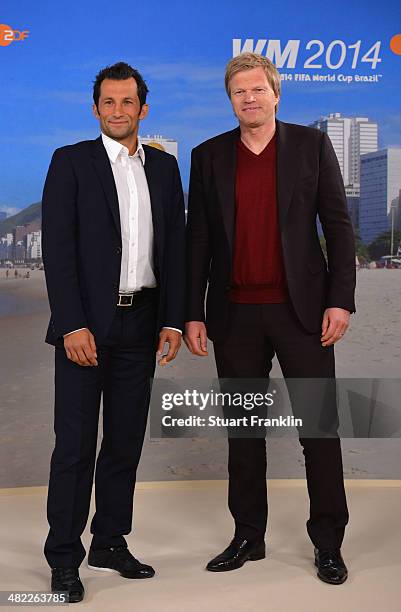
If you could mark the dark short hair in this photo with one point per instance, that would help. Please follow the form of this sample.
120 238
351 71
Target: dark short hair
120 72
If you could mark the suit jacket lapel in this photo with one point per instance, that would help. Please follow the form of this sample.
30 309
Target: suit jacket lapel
286 170
224 165
103 169
152 176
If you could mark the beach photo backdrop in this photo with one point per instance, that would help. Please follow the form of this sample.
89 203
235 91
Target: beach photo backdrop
341 73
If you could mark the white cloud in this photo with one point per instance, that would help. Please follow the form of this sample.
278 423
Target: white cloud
162 70
56 138
72 96
184 71
10 210
392 120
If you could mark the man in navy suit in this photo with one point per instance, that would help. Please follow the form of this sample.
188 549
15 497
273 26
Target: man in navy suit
113 250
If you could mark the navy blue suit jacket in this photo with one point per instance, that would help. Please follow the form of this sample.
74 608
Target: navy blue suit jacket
82 239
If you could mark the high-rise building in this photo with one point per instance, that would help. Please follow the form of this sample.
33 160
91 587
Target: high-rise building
19 252
351 137
34 245
3 249
33 226
19 242
10 245
164 144
352 195
380 192
19 232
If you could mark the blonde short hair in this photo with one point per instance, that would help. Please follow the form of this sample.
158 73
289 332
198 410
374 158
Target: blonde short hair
246 61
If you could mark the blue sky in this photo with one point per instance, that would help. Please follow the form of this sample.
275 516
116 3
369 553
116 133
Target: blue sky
181 48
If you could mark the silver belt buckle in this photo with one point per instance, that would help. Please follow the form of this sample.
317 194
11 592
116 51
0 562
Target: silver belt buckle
125 299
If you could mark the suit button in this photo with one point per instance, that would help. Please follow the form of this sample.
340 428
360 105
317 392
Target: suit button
227 287
116 285
118 250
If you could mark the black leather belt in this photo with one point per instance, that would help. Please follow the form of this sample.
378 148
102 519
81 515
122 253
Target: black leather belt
128 299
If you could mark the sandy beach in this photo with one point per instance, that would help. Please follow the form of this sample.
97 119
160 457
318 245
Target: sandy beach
371 348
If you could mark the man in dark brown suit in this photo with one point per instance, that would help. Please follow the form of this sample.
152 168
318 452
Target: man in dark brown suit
255 193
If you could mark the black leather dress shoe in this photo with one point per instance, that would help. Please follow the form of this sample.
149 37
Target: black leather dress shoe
66 579
120 560
236 554
330 566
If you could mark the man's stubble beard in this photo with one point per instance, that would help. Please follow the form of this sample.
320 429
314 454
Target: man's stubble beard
115 135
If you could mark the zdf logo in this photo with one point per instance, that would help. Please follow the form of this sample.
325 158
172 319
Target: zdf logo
8 35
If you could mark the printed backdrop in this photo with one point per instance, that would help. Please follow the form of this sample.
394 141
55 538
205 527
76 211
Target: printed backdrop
339 58
343 57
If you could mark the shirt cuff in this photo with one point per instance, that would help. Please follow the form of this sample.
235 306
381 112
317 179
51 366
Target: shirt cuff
174 329
73 332
81 328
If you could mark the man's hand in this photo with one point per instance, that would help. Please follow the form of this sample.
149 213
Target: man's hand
173 338
81 348
335 324
196 338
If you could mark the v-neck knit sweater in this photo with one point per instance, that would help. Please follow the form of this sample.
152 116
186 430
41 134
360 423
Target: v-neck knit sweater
258 275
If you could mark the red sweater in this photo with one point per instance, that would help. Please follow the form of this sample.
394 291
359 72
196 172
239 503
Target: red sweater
258 269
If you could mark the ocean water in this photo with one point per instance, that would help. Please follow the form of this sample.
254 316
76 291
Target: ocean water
14 303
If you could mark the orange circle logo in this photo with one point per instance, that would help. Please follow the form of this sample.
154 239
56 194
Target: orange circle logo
395 44
6 35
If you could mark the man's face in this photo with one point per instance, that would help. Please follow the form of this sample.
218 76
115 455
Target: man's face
253 99
119 109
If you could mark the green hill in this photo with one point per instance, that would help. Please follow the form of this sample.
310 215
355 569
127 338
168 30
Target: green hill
32 213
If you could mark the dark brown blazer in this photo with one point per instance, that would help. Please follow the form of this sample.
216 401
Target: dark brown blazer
309 184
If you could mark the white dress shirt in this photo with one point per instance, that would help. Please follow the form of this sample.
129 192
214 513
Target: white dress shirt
135 212
135 217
